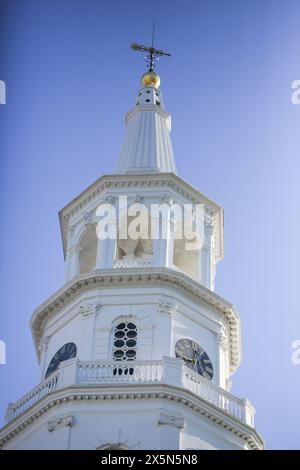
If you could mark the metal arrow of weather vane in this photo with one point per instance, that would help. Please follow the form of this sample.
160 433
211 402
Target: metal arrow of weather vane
154 54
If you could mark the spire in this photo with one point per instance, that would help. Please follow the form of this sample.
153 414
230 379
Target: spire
147 146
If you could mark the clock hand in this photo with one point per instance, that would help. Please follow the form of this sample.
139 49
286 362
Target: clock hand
187 358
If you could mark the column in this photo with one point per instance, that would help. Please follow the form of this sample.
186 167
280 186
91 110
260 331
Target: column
205 273
88 312
72 262
163 246
106 248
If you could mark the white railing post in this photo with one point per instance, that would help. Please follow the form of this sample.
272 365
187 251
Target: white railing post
173 371
10 412
67 373
248 412
170 371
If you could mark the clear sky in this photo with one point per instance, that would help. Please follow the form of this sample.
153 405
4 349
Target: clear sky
70 78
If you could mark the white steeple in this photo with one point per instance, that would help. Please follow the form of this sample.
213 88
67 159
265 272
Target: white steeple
136 338
147 146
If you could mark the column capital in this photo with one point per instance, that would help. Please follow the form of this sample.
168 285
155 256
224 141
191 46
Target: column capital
167 199
222 339
89 309
166 308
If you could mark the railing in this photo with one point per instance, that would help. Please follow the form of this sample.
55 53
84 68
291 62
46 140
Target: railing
169 371
214 394
133 263
119 372
39 392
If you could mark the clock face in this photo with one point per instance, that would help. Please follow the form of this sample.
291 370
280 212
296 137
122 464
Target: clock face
194 357
67 351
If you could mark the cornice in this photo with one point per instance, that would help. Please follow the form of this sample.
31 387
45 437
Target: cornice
150 392
146 109
167 180
142 277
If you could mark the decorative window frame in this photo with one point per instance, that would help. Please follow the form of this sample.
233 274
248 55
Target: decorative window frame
105 335
144 326
113 339
82 231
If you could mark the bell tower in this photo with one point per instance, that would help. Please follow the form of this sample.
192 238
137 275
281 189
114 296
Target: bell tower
136 350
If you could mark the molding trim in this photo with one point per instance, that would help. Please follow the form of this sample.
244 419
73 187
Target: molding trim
88 309
167 180
61 422
43 344
166 308
175 421
139 277
222 339
199 406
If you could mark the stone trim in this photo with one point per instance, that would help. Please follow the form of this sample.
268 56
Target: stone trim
61 422
196 404
175 421
89 309
168 180
138 277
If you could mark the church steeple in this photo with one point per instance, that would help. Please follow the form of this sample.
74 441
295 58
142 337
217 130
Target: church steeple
147 145
137 331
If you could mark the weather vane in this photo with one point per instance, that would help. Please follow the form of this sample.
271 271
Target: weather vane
154 54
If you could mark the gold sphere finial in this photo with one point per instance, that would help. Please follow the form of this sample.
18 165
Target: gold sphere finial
151 79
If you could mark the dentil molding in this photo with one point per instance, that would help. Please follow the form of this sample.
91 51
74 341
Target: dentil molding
247 434
139 277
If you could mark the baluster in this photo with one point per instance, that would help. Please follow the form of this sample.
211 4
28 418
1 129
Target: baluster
240 412
78 374
139 377
148 373
159 372
96 373
153 373
89 373
144 376
215 397
85 373
136 374
194 384
221 401
108 372
230 405
81 373
93 373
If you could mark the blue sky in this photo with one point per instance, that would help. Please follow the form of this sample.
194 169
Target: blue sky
71 77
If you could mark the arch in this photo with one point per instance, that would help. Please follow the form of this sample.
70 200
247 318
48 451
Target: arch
140 248
144 326
124 340
105 328
88 249
185 260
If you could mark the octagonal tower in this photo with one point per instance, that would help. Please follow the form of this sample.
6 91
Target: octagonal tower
136 350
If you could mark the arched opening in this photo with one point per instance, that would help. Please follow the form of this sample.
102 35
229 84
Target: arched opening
138 251
124 347
88 250
185 260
